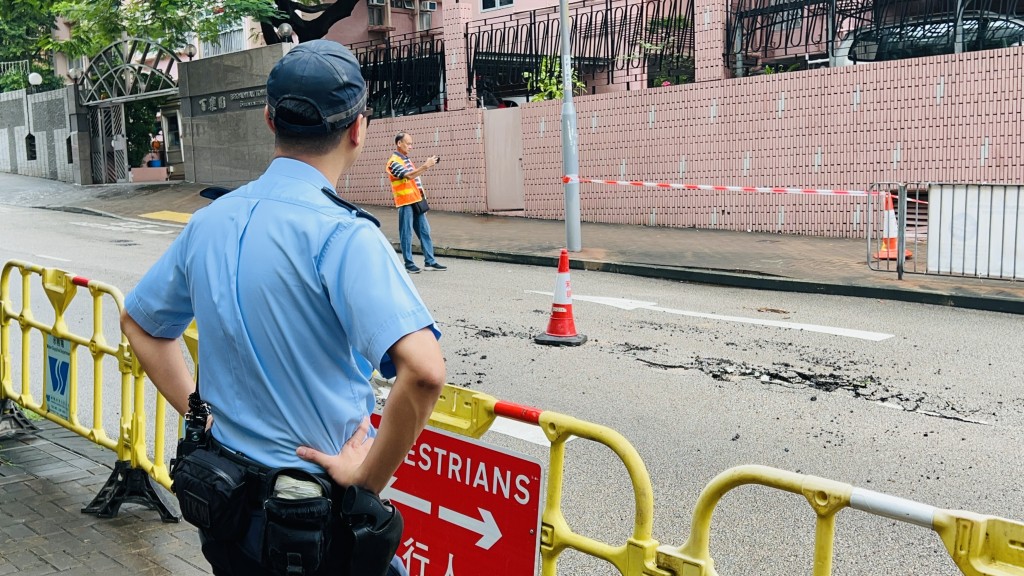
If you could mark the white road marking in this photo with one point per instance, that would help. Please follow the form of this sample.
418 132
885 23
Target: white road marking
52 258
125 227
640 305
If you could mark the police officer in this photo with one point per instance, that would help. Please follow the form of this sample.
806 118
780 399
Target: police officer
291 288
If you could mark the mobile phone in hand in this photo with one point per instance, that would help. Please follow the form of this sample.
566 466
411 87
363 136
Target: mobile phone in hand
437 159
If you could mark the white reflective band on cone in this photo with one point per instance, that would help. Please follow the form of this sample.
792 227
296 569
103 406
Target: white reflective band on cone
562 290
892 507
890 227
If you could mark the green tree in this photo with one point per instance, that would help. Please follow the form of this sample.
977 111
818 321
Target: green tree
547 82
173 23
23 25
141 125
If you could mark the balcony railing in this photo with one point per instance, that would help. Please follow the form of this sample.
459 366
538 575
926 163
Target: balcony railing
640 43
404 73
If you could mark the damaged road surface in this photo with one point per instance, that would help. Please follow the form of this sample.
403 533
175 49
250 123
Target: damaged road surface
862 387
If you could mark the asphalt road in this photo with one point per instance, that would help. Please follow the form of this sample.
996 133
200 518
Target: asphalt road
932 413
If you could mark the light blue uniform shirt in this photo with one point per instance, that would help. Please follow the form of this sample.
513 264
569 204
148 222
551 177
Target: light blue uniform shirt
288 290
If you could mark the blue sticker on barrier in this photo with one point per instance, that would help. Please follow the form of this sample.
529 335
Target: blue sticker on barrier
58 375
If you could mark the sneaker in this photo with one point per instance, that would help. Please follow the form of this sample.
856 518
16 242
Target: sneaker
435 266
412 269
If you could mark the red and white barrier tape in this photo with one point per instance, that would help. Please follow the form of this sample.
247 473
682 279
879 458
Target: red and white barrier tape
770 190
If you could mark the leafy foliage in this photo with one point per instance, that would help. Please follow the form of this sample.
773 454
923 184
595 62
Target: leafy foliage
670 70
18 80
547 83
22 26
141 124
97 23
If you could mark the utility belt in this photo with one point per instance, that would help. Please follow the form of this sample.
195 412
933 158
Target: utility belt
306 514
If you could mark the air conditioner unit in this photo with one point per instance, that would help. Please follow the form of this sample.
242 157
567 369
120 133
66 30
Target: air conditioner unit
428 6
408 4
375 2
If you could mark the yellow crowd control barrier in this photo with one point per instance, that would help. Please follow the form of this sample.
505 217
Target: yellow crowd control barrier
979 545
471 413
61 391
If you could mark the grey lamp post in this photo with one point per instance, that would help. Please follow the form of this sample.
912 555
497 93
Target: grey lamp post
190 51
570 153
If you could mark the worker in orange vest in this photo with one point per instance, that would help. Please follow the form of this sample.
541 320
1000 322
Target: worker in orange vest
412 205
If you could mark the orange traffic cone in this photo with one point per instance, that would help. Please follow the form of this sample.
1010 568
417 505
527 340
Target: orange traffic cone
890 243
561 327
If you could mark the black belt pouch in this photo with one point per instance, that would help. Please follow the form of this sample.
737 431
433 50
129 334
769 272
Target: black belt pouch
211 493
298 532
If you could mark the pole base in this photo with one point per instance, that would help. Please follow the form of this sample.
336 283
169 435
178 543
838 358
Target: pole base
552 340
13 421
127 484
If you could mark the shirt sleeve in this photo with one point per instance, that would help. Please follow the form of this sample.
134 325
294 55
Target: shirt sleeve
374 299
397 167
161 302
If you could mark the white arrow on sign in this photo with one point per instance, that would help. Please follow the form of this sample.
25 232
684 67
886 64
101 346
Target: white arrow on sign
414 502
487 528
640 305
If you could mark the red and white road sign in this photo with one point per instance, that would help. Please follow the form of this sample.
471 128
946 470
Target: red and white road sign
469 508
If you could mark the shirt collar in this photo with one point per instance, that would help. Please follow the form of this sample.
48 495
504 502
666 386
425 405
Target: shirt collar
299 170
402 156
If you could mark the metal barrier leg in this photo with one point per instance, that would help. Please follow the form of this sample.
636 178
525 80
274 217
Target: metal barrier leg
132 485
13 421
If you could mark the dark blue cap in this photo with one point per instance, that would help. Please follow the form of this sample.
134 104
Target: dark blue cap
321 74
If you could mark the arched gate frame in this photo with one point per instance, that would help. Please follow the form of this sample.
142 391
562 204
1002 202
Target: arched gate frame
125 71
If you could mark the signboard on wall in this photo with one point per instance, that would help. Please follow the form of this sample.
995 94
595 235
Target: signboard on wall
229 101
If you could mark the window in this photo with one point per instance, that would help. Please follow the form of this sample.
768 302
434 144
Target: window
425 20
231 39
375 15
492 4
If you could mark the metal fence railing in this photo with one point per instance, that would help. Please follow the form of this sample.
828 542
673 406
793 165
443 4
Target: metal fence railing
769 36
967 230
643 43
405 74
19 65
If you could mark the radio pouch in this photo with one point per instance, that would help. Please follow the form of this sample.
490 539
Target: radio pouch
297 532
211 492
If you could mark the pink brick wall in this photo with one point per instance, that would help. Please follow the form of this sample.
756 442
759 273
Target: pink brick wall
942 119
457 184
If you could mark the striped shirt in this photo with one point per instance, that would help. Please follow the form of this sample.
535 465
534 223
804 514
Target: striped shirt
400 165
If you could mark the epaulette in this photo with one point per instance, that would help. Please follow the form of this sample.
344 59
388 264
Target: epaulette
360 213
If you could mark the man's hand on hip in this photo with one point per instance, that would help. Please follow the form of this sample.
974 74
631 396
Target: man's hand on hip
343 466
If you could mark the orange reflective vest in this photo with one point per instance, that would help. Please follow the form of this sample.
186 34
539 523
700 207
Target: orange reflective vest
405 190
